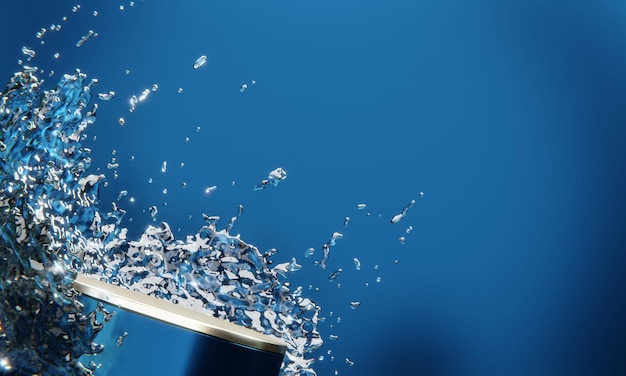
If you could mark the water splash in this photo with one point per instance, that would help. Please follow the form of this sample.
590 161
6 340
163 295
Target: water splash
53 229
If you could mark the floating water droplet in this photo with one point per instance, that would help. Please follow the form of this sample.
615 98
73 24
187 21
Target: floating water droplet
56 55
154 211
376 267
95 13
355 305
210 189
409 229
164 166
84 38
357 264
122 121
121 194
112 166
28 52
155 87
180 90
121 7
253 82
421 194
106 96
309 252
334 337
144 95
149 180
346 221
127 71
184 184
40 34
378 279
197 129
349 362
164 191
75 8
133 101
334 275
199 62
243 88
361 206
402 239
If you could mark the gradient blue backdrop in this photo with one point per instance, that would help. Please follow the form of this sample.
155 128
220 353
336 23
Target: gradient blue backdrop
509 115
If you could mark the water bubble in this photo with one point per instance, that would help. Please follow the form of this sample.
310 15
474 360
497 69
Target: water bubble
164 166
243 88
95 13
210 189
346 221
56 55
184 184
155 87
361 206
182 164
132 3
51 73
197 129
274 178
199 62
180 90
106 96
122 121
355 305
421 194
357 264
40 34
378 279
376 267
133 101
164 191
75 8
349 362
402 239
409 229
127 71
121 7
334 337
309 252
253 82
112 166
149 180
395 262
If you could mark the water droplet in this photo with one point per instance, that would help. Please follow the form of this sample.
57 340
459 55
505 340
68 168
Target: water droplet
154 211
84 38
164 166
197 129
402 239
122 121
349 362
376 267
243 88
184 184
378 279
200 62
164 191
28 52
210 189
253 82
357 264
155 87
180 90
149 180
421 194
144 95
95 13
334 275
121 194
309 252
346 221
355 305
127 71
106 96
334 337
121 7
361 206
186 139
409 229
56 55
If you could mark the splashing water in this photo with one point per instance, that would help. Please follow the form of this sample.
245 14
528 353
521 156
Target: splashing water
52 229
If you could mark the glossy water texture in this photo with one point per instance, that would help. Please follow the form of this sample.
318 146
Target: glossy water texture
54 229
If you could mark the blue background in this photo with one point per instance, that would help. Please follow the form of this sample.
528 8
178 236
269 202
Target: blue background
508 115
